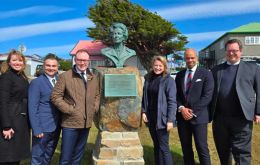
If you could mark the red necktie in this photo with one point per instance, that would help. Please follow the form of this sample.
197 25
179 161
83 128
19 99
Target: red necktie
188 82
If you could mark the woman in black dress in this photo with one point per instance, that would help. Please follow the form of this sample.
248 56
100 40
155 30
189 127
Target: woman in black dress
15 133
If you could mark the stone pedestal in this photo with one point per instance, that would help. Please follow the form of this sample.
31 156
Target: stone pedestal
118 119
118 148
119 114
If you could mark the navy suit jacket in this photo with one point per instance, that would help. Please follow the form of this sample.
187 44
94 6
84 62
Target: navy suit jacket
43 115
199 95
247 88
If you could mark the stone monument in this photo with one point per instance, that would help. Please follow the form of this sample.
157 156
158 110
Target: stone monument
119 115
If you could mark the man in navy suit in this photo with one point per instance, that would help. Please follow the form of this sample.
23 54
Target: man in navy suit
43 115
194 92
235 104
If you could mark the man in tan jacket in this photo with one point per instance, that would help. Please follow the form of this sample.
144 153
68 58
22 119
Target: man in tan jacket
76 94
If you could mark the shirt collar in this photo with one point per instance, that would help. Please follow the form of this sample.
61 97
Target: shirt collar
234 63
78 71
193 69
50 78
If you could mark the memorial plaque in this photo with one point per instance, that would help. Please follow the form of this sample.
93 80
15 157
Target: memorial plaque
118 85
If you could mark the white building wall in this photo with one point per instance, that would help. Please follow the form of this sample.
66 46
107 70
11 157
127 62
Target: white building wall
31 66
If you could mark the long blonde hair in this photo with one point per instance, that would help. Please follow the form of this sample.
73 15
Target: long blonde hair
14 52
3 67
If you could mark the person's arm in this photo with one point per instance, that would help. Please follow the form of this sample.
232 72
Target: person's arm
171 100
65 105
143 109
34 94
5 94
97 94
257 91
5 119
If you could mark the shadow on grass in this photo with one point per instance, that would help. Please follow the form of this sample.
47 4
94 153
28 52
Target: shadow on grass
87 157
149 156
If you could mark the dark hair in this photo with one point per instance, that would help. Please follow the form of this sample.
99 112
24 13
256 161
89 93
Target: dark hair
232 41
17 53
51 56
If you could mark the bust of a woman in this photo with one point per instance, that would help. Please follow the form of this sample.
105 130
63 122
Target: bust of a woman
118 53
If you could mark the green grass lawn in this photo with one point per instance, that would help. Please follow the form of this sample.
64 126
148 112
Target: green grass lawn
174 145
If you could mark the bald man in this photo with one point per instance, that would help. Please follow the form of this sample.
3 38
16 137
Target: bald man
194 92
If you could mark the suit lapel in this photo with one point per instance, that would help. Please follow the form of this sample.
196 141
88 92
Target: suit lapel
182 79
239 72
194 78
46 80
219 76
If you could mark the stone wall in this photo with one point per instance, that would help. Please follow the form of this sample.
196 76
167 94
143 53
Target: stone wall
118 148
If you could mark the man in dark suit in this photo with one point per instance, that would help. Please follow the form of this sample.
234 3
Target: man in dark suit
44 117
194 92
235 104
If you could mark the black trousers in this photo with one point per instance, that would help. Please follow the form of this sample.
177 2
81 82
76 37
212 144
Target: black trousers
160 137
200 132
232 135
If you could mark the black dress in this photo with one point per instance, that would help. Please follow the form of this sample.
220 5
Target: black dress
13 114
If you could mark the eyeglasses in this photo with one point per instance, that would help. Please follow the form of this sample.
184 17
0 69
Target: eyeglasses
232 51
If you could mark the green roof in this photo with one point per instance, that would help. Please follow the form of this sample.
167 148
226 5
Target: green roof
248 28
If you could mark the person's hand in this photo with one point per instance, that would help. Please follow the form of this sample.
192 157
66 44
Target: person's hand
144 118
257 119
169 126
8 134
186 113
40 135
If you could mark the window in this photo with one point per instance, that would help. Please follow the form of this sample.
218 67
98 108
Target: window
222 45
252 40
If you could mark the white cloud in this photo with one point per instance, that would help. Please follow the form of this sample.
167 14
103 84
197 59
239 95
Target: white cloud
210 9
17 32
205 36
60 50
34 10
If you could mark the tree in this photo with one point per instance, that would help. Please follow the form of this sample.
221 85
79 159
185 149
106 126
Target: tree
65 65
149 33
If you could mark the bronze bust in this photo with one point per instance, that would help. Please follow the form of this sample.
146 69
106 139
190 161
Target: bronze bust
118 53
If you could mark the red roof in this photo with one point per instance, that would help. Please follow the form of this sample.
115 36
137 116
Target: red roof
93 48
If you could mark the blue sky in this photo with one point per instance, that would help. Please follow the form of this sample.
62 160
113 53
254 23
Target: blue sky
55 26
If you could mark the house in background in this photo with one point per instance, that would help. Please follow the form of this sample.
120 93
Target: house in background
248 34
97 59
31 63
93 48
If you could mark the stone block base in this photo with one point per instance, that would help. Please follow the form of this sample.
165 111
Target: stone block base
118 148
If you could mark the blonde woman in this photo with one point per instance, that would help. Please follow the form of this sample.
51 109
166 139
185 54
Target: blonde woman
15 136
159 108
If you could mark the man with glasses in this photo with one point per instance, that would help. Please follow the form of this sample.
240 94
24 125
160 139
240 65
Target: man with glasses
76 95
235 104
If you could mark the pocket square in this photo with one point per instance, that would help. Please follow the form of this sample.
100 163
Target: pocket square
198 80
